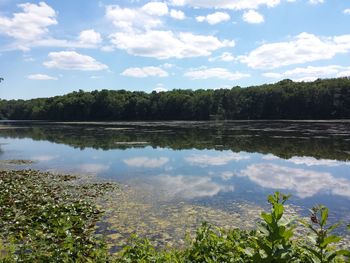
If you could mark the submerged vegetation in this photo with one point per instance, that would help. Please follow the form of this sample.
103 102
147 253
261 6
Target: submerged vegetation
52 218
321 99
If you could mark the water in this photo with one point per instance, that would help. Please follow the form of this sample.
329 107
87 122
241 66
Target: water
177 174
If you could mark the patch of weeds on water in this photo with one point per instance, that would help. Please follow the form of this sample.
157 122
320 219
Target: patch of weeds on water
46 218
17 162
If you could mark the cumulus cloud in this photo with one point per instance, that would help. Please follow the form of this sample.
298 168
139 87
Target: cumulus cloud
166 44
214 18
41 77
204 160
145 72
225 56
347 11
29 25
90 37
160 88
315 2
189 187
221 73
300 49
227 4
311 73
253 17
305 183
156 8
130 19
71 60
30 28
177 14
146 162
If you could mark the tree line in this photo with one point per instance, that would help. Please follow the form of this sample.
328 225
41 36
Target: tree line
321 99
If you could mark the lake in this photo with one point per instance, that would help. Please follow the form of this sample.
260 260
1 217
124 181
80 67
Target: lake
174 175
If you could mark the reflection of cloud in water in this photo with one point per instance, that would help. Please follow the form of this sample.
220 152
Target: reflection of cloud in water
146 162
226 175
94 168
270 157
44 158
306 183
204 160
189 186
311 161
305 160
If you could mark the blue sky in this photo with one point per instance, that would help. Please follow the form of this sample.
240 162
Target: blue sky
50 48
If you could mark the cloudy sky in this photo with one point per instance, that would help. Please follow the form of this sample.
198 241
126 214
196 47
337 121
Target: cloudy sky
52 47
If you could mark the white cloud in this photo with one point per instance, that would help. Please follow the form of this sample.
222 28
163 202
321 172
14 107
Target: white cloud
71 60
253 17
221 73
166 44
177 14
160 88
302 48
41 77
128 19
204 160
315 2
145 72
189 187
156 8
30 29
214 18
347 11
226 4
90 37
310 73
225 56
146 162
305 183
31 24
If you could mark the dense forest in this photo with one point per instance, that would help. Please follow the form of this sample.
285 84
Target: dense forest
321 99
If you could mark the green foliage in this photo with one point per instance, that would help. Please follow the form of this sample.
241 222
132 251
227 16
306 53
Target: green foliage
275 233
46 218
321 99
322 247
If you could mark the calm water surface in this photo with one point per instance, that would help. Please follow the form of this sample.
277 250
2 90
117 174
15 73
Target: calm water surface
177 174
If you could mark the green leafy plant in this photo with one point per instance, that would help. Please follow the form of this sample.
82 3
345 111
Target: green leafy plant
275 233
323 248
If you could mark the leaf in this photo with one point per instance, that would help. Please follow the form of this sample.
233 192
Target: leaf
324 216
278 211
267 218
330 239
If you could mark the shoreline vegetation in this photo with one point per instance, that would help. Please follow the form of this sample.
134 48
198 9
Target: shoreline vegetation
321 99
48 217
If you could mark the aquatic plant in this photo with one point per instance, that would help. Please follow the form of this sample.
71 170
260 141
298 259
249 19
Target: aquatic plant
52 218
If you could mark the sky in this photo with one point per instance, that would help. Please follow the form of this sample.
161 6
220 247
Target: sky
53 47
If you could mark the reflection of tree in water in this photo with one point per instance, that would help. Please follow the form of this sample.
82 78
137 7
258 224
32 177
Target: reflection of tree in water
283 139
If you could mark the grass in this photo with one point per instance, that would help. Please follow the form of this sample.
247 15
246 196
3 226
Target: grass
52 218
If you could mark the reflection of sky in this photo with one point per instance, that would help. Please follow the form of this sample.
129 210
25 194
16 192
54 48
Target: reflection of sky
193 174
